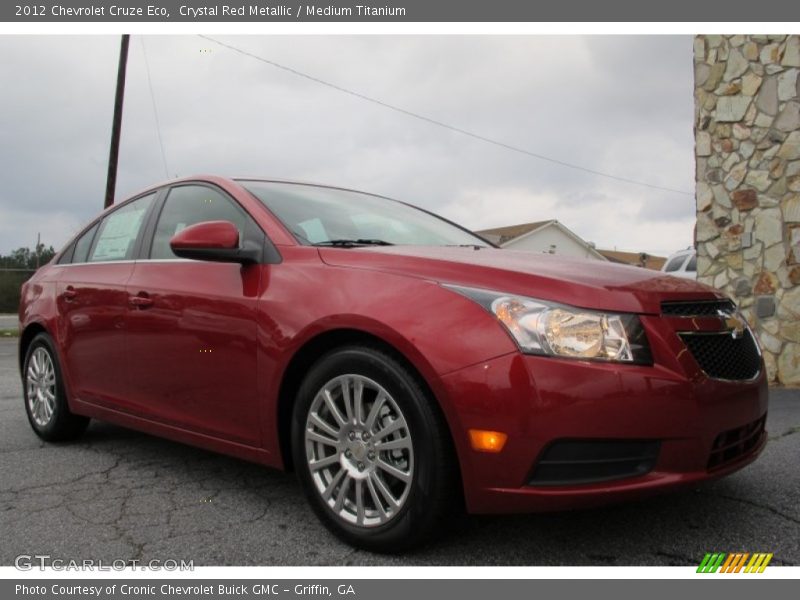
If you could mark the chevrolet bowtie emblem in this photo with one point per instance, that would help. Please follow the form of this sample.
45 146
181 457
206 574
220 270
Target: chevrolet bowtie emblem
733 323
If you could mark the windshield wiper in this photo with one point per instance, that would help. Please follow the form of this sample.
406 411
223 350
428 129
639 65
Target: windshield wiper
346 243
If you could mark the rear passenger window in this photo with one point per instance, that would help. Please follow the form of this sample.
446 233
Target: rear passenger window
66 255
692 265
83 244
188 205
119 230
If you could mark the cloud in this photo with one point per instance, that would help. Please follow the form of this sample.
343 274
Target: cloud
621 104
587 214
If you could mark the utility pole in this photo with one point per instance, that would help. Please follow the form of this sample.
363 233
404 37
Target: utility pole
38 245
113 155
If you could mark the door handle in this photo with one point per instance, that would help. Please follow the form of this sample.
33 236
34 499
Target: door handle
69 293
142 300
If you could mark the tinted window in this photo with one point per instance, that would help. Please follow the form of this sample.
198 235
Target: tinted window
66 255
317 215
119 230
83 244
675 263
190 204
692 265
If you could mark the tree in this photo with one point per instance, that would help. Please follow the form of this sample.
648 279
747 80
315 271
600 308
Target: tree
25 258
12 278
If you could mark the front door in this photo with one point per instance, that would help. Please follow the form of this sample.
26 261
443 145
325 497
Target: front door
191 328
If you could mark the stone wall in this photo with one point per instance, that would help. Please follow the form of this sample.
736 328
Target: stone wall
747 135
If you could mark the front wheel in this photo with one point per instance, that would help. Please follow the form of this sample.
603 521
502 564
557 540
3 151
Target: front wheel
45 395
372 450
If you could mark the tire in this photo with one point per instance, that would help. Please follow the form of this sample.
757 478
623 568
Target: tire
406 432
44 394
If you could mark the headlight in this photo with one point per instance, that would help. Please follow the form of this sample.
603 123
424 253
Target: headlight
541 327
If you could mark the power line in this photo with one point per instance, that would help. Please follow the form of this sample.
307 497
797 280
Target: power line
155 110
442 124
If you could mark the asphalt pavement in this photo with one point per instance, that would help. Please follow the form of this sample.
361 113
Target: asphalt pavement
121 495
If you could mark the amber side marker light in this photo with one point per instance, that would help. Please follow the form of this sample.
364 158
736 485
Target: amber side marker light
487 441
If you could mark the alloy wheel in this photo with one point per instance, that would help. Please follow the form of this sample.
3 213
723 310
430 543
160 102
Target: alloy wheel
359 450
41 386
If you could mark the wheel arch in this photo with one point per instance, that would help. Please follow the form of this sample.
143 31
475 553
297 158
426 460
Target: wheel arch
321 344
25 338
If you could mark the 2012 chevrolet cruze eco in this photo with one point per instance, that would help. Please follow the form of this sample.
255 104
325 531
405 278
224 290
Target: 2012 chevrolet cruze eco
398 363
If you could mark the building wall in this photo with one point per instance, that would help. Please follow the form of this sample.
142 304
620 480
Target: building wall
541 240
747 135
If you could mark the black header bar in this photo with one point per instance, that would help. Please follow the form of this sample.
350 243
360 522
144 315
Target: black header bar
604 11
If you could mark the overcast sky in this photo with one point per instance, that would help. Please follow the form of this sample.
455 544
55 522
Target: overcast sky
617 104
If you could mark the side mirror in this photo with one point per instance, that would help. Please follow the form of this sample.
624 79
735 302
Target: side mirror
216 241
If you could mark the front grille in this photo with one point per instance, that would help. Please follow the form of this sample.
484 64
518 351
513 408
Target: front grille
733 444
723 357
706 308
571 462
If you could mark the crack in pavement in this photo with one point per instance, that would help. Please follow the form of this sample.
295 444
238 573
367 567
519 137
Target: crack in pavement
766 507
785 434
113 489
67 482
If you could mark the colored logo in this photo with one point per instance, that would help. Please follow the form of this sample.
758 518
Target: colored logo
734 563
732 322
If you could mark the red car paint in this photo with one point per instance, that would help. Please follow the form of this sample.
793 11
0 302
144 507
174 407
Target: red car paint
212 234
198 352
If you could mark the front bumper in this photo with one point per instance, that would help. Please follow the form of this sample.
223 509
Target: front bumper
539 400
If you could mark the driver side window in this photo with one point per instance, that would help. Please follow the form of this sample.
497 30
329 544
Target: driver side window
188 205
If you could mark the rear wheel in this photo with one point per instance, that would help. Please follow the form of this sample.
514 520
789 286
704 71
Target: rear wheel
372 451
45 397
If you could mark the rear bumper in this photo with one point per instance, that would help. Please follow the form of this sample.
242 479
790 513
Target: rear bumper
538 401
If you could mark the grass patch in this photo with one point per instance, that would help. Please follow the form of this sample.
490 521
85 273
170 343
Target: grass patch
8 333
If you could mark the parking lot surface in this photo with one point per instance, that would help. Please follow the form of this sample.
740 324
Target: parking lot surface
118 494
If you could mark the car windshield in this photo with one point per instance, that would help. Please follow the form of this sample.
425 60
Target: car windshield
332 217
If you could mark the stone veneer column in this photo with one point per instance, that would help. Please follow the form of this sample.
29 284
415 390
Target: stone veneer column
747 146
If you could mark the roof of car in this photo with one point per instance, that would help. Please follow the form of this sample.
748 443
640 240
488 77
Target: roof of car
310 183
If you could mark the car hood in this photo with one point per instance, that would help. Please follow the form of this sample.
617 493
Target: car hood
586 283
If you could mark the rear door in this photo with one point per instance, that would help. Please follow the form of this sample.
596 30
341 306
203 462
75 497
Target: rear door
92 302
192 358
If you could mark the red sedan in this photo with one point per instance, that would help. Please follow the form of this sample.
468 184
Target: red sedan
401 365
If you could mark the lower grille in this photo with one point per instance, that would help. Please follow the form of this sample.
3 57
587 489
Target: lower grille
577 462
723 357
733 444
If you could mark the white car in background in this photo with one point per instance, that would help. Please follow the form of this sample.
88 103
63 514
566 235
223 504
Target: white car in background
682 264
